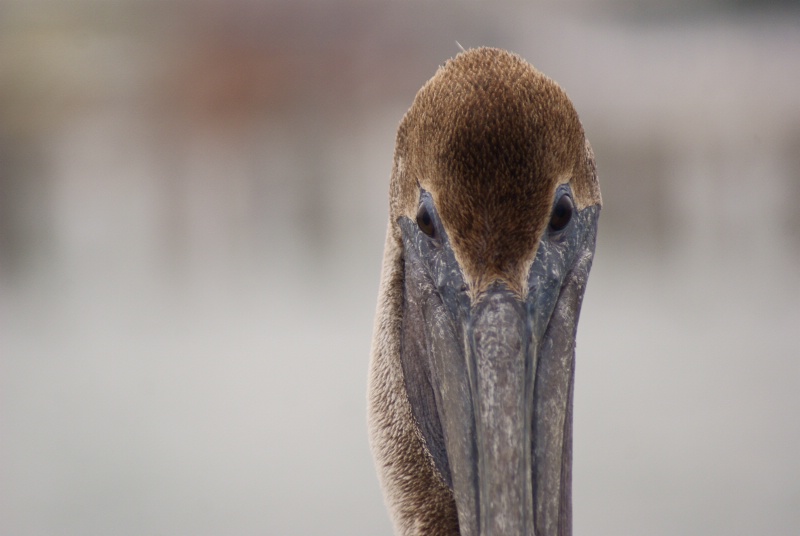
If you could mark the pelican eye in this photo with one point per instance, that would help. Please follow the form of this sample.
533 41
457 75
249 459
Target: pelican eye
562 213
425 221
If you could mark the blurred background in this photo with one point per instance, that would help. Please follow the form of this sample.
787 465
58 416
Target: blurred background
193 200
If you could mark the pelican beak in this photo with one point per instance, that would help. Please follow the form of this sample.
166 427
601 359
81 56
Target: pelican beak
501 361
497 412
515 478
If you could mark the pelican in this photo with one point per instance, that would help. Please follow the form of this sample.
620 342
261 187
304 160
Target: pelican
493 210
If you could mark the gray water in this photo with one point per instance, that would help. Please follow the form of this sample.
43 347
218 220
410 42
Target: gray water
192 212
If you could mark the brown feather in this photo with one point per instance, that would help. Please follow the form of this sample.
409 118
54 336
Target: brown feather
491 138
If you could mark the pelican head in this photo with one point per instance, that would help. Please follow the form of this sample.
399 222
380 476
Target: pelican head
493 213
